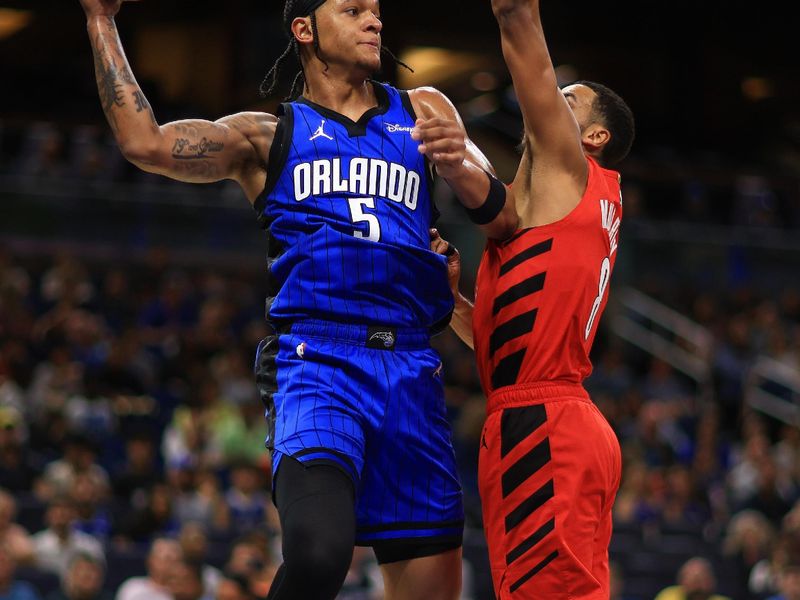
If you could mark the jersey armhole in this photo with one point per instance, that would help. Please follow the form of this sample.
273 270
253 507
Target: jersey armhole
277 158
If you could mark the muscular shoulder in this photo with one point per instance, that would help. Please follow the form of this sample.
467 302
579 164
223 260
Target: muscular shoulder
428 102
257 127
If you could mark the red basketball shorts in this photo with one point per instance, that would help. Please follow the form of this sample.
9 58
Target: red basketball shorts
550 466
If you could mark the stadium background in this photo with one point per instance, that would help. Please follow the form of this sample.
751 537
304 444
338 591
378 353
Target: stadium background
130 305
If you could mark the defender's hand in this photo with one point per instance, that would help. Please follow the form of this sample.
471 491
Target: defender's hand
442 246
444 143
102 8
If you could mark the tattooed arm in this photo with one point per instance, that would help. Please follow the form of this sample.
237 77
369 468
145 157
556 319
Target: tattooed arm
197 151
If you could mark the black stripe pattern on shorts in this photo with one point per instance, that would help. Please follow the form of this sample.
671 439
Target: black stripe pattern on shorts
516 426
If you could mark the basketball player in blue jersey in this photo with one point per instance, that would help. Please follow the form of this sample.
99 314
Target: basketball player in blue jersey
340 178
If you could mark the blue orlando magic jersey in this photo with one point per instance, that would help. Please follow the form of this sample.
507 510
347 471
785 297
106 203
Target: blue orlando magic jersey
348 206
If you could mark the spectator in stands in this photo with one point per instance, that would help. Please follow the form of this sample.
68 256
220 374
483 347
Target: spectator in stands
748 541
617 580
13 536
681 506
185 581
196 494
252 558
19 468
246 498
163 559
234 587
55 380
56 546
80 457
170 313
194 546
789 583
156 518
696 581
765 573
140 471
82 580
43 155
93 516
10 588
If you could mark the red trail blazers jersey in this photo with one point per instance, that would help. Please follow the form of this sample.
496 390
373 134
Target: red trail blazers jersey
543 290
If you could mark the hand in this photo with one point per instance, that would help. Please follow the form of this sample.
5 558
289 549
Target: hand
442 246
444 142
102 8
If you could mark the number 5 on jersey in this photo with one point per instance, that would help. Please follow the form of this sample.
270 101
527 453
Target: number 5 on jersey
358 215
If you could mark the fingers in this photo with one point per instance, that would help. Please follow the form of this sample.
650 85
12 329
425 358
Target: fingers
442 246
439 136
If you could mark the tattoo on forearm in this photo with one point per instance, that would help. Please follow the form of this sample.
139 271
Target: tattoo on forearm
184 149
126 75
108 83
140 100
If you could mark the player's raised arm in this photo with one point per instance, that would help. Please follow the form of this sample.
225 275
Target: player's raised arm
195 151
550 125
444 140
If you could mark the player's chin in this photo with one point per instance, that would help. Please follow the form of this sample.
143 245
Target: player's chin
370 58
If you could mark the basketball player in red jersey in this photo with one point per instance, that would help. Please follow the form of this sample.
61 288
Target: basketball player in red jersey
550 464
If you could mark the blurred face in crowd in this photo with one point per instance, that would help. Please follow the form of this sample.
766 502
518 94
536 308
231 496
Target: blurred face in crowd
60 515
246 479
789 583
246 559
84 580
193 542
161 561
185 582
140 454
697 579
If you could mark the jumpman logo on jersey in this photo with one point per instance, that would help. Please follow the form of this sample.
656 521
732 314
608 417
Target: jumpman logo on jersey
320 132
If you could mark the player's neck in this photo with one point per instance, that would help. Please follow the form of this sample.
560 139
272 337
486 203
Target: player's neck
349 97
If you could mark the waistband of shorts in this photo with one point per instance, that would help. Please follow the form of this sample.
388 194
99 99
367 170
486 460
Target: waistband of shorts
377 336
525 394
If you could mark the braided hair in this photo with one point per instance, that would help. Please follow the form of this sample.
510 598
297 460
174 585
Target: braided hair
293 9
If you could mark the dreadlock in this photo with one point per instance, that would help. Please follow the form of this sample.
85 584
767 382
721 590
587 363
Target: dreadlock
291 10
271 79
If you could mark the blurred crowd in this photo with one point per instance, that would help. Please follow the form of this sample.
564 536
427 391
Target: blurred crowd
131 435
664 186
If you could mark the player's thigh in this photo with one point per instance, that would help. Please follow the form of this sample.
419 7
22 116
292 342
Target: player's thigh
410 488
435 577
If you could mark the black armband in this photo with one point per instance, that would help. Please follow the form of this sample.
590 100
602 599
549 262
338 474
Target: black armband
492 206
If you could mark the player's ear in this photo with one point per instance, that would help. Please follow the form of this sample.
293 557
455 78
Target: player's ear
595 137
302 30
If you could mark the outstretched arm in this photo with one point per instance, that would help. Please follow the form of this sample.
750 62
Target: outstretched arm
552 135
196 151
443 139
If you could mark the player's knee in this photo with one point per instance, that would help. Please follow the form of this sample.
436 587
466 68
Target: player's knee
323 557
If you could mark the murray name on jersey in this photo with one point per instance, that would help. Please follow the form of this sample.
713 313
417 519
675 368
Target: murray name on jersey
361 177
